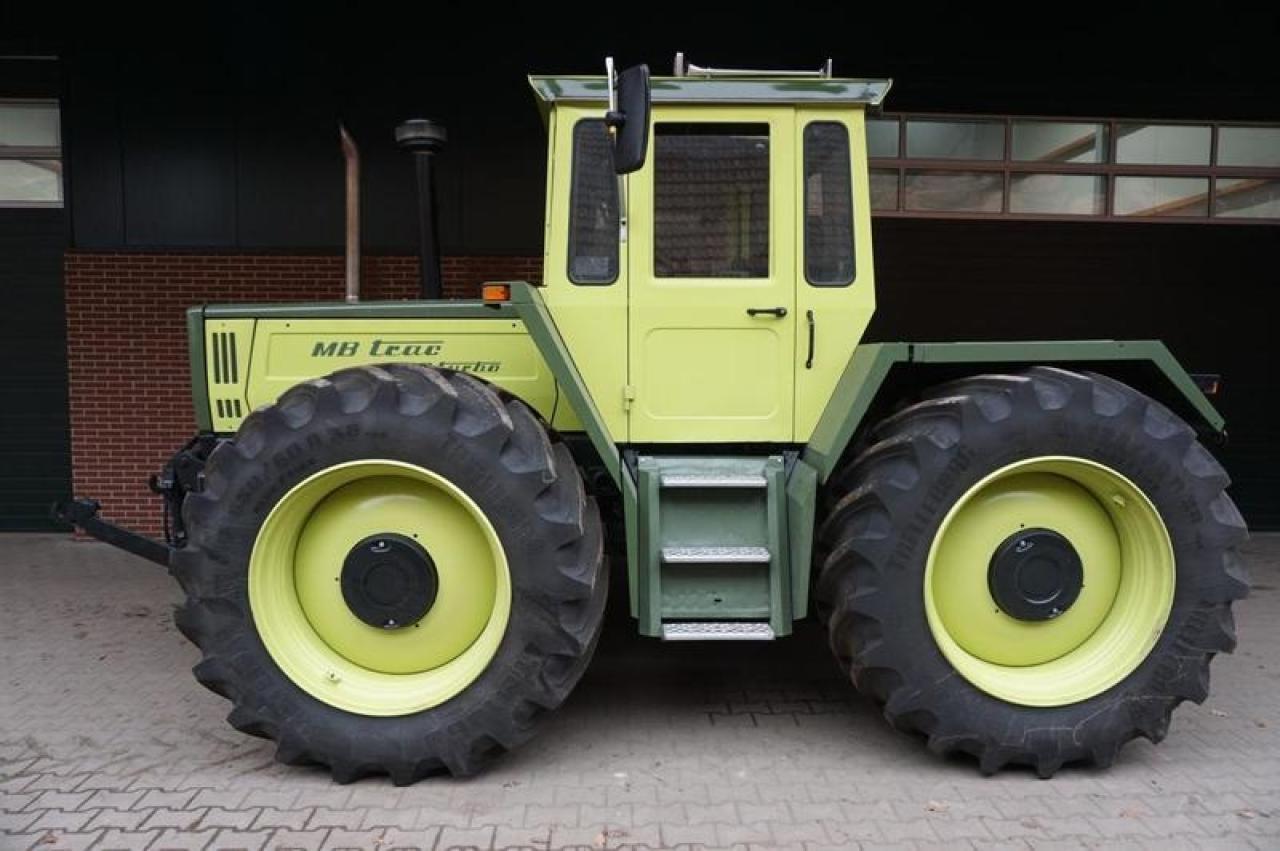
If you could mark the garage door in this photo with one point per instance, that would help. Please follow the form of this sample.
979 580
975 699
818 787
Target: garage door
35 466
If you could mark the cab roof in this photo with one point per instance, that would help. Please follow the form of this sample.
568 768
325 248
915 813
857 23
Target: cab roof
736 90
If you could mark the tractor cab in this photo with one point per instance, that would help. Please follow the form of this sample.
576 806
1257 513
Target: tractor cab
715 291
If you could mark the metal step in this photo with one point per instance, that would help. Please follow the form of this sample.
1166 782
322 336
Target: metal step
715 555
713 480
717 631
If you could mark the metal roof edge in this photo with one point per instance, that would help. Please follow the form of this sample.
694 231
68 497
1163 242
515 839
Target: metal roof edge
551 89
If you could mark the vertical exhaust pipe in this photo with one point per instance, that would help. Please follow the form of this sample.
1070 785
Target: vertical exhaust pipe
351 157
423 139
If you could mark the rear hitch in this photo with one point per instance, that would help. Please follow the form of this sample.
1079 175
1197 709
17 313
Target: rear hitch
83 514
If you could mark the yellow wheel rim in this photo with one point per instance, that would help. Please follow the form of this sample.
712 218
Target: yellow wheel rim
1102 637
298 607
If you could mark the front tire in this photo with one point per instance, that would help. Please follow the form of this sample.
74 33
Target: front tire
392 570
935 608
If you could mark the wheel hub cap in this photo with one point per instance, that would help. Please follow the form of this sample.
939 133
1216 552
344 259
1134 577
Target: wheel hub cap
1035 575
389 581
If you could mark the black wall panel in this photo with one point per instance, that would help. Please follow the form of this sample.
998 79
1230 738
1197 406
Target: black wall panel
1207 291
35 461
179 169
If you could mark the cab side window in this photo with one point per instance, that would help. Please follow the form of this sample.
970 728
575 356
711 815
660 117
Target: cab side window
828 205
593 207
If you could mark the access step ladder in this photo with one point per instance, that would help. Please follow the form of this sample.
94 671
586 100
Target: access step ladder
712 548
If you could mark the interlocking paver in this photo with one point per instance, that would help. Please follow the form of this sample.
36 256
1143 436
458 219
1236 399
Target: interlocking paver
643 755
172 839
118 819
16 822
160 799
270 817
59 821
240 840
958 829
126 840
344 819
382 817
55 840
228 819
537 815
297 840
227 799
480 838
178 819
284 799
743 834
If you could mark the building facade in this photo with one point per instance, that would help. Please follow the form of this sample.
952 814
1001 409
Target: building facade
1013 201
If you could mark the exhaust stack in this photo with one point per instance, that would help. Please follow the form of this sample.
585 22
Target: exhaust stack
351 157
423 139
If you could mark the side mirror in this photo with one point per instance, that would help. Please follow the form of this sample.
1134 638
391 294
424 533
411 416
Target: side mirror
628 116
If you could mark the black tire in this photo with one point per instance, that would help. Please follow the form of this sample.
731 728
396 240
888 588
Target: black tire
487 443
887 504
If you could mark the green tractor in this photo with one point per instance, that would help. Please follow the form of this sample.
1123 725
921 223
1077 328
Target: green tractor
391 528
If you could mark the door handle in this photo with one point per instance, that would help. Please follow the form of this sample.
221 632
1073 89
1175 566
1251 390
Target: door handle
778 312
808 363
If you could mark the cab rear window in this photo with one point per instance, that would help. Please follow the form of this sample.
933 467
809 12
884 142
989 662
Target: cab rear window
828 205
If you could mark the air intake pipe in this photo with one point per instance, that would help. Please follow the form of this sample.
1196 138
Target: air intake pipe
423 139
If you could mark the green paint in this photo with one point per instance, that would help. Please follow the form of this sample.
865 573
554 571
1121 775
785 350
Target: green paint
780 582
802 511
1073 351
853 395
871 363
199 380
646 564
631 519
451 309
736 516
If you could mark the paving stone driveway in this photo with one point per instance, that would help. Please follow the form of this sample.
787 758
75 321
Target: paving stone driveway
107 742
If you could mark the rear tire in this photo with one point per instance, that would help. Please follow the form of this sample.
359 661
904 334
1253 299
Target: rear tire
479 453
1048 443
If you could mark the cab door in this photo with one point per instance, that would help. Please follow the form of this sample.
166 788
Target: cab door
712 260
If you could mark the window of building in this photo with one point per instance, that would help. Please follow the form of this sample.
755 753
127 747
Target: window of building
593 207
1164 144
828 205
1248 198
1162 196
1249 146
30 154
1014 167
882 137
1058 194
1059 142
711 200
884 190
933 190
977 139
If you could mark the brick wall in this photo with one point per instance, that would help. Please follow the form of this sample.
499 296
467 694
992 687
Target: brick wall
129 387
